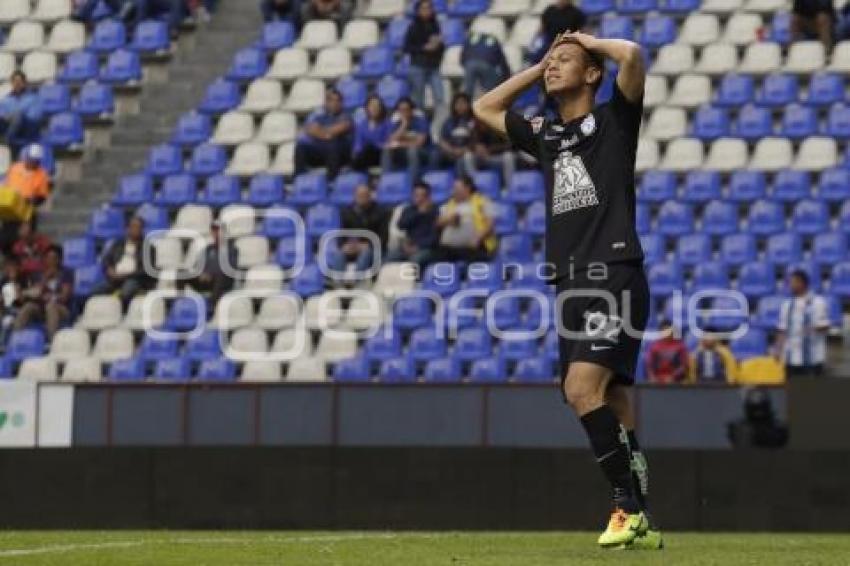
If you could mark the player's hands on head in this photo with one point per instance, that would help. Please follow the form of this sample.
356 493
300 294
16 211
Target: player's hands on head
586 40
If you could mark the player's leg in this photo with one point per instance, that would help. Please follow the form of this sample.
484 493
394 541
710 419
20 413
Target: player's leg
585 387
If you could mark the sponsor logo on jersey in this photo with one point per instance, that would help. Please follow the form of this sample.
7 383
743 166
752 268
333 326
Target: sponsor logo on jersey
573 187
588 125
536 124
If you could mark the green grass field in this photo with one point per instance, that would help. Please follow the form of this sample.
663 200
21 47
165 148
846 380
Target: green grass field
200 548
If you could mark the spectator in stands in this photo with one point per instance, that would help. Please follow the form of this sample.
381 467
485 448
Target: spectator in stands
667 358
712 362
813 18
326 138
121 9
483 62
371 134
124 264
339 11
172 11
282 10
30 249
489 150
466 221
562 16
419 222
364 214
408 141
803 324
12 287
20 114
456 141
28 177
424 44
48 297
216 263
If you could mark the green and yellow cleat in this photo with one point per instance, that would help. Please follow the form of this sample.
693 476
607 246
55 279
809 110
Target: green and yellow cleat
650 540
623 528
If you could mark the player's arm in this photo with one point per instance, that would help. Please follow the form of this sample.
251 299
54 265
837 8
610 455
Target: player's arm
631 73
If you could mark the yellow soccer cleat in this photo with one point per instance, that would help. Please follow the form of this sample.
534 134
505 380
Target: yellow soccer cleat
623 528
650 540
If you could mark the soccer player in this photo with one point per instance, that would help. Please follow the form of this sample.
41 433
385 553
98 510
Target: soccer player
587 155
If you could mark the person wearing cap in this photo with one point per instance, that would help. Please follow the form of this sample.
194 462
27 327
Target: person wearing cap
28 177
20 114
214 271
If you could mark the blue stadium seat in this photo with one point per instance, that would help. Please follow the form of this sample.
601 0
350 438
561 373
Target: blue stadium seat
396 32
78 252
204 346
486 276
726 314
515 248
248 64
504 218
834 310
64 130
679 6
383 345
693 249
537 316
277 35
321 218
220 191
665 278
473 344
453 31
463 312
443 278
221 96
525 187
778 89
375 62
747 186
108 36
657 186
95 101
753 343
413 312
345 185
518 348
834 185
134 190
658 31
701 186
754 123
25 343
597 7
426 344
617 27
782 248
132 369
265 190
735 90
352 370
675 219
442 370
791 185
394 188
164 159
530 276
838 121
392 89
177 190
158 347
839 280
780 29
192 129
186 314
470 8
765 218
829 248
309 189
768 310
55 98
710 123
87 279
533 370
490 370
551 346
398 370
6 369
207 160
654 248
80 66
151 37
354 93
534 222
844 217
799 121
217 370
637 6
675 309
154 217
441 183
488 183
504 312
643 218
107 223
289 247
810 217
710 275
824 89
122 67
173 369
309 281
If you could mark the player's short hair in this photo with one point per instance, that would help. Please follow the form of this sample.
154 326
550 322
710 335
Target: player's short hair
592 59
801 275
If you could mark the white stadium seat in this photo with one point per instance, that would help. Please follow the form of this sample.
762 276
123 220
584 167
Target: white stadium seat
839 62
7 66
317 34
742 29
332 63
113 344
772 154
51 10
699 29
816 154
720 6
145 313
284 161
717 59
67 36
277 128
337 345
289 64
727 155
540 6
394 280
169 253
264 278
25 36
234 128
490 26
70 343
39 66
654 91
195 217
385 9
14 10
252 251
233 311
761 58
247 343
395 235
292 343
360 34
690 91
238 220
766 6
666 123
82 369
279 312
524 31
38 369
323 311
450 66
673 59
260 371
306 369
365 312
683 154
805 57
263 95
508 8
101 311
647 155
306 95
513 55
249 159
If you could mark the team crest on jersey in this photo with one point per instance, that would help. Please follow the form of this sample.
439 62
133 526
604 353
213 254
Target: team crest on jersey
536 124
588 125
573 186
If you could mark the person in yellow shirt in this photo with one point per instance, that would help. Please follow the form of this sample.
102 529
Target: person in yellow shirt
28 177
712 362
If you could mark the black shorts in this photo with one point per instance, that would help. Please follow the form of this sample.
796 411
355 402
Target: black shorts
811 8
604 331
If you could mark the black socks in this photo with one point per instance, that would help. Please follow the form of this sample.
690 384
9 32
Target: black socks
612 453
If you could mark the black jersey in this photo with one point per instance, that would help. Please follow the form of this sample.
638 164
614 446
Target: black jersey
589 170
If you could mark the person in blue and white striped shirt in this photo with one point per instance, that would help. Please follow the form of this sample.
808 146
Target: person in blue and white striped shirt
803 324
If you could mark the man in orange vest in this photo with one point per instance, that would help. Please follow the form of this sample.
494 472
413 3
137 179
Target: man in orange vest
28 177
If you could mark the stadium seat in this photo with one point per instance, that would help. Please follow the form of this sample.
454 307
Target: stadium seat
394 188
309 189
790 185
717 59
70 343
517 348
693 249
834 185
54 98
738 249
657 186
360 34
468 9
742 29
306 369
829 248
175 368
95 101
825 89
838 121
177 190
134 190
616 27
766 218
277 35
772 154
810 217
322 218
533 370
396 370
413 312
109 35
318 34
805 57
675 219
395 32
306 95
768 309
442 370
753 343
192 128
263 95
816 154
353 91
761 58
64 130
754 123
332 63
207 160
508 8
221 96
81 370
839 280
655 91
233 128
107 223
665 278
726 155
735 90
249 159
489 370
78 252
443 278
277 128
709 275
383 345
658 31
699 30
710 123
122 67
747 186
220 190
840 60
654 248
164 159
682 154
701 186
673 60
778 89
14 10
799 121
113 344
352 370
667 123
248 64
391 89
39 66
131 369
155 348
186 314
309 281
151 37
23 37
216 370
473 344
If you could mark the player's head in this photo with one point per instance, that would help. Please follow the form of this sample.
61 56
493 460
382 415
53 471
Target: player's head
571 69
799 282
